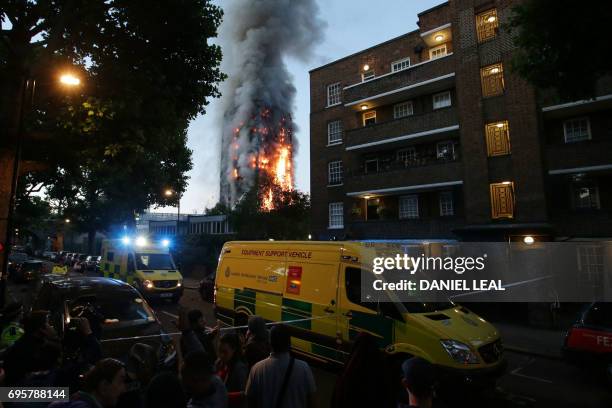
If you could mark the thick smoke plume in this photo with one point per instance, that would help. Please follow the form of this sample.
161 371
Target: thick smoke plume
258 97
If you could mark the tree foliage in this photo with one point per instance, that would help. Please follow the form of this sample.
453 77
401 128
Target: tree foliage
288 220
561 44
119 141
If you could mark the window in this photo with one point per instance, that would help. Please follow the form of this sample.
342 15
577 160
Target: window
486 25
577 130
110 256
442 100
498 138
402 110
352 278
371 166
502 200
407 156
446 204
585 196
591 264
445 150
400 65
368 75
336 215
492 80
333 94
437 52
334 172
369 118
334 132
409 206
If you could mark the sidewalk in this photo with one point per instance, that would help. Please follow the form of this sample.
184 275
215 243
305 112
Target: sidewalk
527 340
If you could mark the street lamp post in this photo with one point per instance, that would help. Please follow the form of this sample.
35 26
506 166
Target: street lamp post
170 193
27 101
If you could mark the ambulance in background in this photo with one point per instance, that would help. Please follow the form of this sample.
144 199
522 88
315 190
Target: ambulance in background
317 287
148 266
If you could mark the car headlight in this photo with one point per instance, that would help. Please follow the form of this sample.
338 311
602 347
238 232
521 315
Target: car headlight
179 284
147 284
460 352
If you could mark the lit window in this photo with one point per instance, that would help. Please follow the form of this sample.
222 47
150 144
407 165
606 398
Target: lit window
498 138
409 206
334 132
437 52
446 204
400 65
445 150
492 80
368 75
442 100
577 130
371 166
407 156
402 110
486 25
336 215
369 118
502 200
585 196
333 94
335 172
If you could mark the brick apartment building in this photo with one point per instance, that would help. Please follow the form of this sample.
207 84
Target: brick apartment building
431 135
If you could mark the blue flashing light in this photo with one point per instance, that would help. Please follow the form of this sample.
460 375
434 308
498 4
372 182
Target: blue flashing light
165 242
126 240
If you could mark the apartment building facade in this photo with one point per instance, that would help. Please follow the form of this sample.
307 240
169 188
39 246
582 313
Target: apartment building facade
431 135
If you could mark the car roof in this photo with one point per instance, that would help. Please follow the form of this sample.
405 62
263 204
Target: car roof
75 287
33 261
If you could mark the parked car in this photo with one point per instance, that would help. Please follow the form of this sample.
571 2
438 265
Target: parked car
15 260
115 310
588 342
50 255
92 263
29 271
207 288
79 263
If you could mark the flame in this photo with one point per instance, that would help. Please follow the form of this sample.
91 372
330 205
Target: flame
268 201
273 159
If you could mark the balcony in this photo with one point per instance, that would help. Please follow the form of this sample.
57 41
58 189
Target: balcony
562 158
411 127
426 77
394 177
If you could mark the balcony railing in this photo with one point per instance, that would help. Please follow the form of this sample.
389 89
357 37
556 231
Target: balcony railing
423 73
390 165
429 121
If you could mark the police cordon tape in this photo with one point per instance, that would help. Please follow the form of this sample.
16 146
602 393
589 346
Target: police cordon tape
221 329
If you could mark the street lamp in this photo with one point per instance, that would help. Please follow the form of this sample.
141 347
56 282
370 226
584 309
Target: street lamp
169 193
27 100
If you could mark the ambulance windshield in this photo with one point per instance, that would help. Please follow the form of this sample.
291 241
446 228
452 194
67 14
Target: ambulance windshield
154 261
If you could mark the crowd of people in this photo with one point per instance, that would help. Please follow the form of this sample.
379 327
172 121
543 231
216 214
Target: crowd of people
219 368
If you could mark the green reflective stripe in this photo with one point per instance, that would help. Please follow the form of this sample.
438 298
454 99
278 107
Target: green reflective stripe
381 327
295 310
245 298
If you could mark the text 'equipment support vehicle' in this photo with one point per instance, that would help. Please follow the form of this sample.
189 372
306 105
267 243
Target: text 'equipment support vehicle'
148 267
318 285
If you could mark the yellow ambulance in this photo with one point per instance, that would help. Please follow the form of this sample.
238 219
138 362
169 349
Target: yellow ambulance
317 286
148 266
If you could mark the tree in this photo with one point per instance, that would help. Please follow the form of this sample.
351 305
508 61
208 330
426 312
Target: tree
288 220
560 44
120 141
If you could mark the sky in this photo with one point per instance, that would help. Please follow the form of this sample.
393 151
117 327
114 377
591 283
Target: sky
352 25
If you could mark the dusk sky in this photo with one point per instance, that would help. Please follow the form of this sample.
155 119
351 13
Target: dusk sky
351 26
